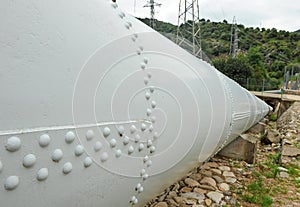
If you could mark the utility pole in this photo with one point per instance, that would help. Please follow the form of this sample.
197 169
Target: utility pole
189 15
234 40
152 4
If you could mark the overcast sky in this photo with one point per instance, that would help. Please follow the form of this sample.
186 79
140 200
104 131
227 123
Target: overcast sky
280 14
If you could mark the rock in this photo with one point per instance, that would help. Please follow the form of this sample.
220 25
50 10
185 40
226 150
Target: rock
161 204
176 187
272 136
218 179
228 174
190 182
215 196
186 189
199 190
290 151
224 187
172 194
207 187
196 176
171 202
208 180
282 169
216 171
283 174
212 164
197 196
230 180
208 202
206 173
224 168
179 200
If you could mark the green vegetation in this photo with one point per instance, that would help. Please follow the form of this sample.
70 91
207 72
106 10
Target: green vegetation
264 54
273 117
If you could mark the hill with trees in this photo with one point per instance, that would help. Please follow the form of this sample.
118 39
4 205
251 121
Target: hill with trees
264 54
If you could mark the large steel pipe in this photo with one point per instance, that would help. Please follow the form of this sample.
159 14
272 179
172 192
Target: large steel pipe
97 109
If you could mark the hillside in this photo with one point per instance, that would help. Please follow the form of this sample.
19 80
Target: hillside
264 54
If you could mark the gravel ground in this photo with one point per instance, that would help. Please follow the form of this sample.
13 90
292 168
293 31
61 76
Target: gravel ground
274 179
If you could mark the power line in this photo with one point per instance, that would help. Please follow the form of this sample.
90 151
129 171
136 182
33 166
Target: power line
152 4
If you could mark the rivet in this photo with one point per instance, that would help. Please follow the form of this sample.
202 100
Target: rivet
42 174
104 157
13 144
114 5
153 119
138 186
121 130
138 52
149 112
149 163
130 149
151 128
141 147
147 95
153 104
149 143
133 39
143 126
113 143
135 35
143 66
134 200
106 131
146 81
143 172
145 176
79 150
29 160
146 158
125 140
44 140
132 129
11 182
146 60
89 135
57 155
152 149
141 189
155 135
118 153
70 137
97 146
122 15
127 25
1 166
151 89
67 168
141 48
137 138
87 162
149 75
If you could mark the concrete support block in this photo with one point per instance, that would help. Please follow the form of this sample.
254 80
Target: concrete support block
242 148
259 128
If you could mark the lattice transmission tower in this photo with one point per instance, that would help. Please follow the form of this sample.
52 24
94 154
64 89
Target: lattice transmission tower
152 4
234 39
189 23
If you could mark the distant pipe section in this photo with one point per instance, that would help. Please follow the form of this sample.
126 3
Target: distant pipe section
97 109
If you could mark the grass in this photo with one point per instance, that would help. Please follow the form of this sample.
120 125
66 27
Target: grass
273 117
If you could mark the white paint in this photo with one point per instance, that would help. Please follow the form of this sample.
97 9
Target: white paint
13 144
11 182
104 157
130 149
132 129
42 174
113 143
118 153
143 127
29 160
